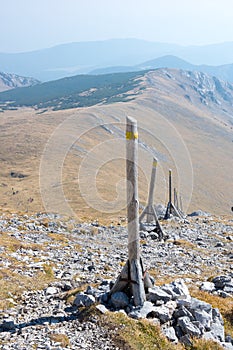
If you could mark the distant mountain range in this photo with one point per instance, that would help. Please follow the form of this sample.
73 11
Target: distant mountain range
85 57
12 81
224 72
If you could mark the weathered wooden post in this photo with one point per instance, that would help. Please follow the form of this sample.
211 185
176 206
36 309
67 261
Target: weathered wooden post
171 208
168 211
170 190
150 217
149 209
132 273
132 210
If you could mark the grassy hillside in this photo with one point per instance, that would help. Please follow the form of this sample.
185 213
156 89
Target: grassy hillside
77 91
73 161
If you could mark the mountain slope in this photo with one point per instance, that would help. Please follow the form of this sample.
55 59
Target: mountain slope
77 91
88 90
73 161
12 81
224 72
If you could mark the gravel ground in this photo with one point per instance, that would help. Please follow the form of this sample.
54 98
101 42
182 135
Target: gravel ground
90 254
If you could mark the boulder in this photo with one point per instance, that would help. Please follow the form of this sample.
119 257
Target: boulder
183 311
217 330
84 300
176 289
199 305
204 318
143 311
51 291
162 313
221 281
156 293
208 287
188 327
119 300
170 334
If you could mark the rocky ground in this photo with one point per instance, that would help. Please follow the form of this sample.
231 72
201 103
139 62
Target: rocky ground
62 255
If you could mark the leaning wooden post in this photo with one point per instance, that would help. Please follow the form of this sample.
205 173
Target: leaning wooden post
149 209
171 208
170 190
150 217
132 211
169 205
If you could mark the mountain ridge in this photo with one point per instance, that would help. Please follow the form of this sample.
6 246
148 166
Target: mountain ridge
12 81
224 72
88 90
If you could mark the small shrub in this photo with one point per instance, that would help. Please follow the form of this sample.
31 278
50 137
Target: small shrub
60 338
202 344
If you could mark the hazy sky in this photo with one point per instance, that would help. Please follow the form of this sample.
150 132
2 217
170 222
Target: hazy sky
34 24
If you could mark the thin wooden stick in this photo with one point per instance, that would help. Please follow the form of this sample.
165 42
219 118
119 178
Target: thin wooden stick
169 208
150 217
170 189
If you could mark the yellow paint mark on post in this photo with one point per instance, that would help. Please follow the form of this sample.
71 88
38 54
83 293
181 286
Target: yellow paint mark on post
131 135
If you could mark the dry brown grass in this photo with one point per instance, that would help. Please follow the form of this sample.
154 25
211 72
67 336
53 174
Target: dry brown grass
13 284
60 338
184 243
201 344
136 335
25 133
12 244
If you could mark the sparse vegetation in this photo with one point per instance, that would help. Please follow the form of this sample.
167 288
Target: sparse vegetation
137 335
225 306
73 92
12 285
60 338
202 344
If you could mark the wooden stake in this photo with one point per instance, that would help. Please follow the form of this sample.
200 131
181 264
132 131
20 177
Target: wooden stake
149 209
132 211
132 273
150 217
168 211
170 189
171 208
132 187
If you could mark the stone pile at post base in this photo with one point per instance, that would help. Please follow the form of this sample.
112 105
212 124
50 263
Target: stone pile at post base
180 316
